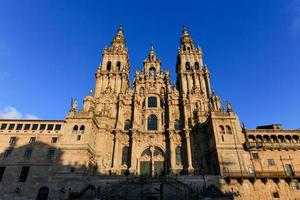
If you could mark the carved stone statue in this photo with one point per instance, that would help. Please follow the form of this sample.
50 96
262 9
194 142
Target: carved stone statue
228 107
74 105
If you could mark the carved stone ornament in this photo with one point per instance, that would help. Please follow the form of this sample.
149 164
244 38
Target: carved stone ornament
106 160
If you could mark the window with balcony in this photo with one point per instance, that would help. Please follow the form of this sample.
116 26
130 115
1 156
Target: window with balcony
81 130
7 153
11 127
2 169
152 123
54 140
27 127
178 152
177 125
152 102
255 156
271 161
51 153
24 174
125 156
3 126
42 127
34 127
12 140
57 127
28 153
127 125
19 127
32 140
50 127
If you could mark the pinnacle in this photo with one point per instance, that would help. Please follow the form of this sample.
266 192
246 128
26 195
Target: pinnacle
185 30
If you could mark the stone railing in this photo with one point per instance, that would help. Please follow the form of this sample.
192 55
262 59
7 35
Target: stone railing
260 174
271 146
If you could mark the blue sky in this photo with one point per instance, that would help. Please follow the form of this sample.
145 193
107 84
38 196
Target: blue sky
49 51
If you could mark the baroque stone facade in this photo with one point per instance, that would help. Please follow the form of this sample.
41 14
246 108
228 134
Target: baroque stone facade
152 140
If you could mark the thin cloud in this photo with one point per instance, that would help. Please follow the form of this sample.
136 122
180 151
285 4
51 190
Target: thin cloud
10 112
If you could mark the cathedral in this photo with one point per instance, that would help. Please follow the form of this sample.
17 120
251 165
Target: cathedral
152 140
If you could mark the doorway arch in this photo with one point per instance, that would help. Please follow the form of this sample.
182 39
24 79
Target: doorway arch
43 193
152 162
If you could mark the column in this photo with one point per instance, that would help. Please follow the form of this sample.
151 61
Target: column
206 75
196 80
172 154
115 154
189 153
133 158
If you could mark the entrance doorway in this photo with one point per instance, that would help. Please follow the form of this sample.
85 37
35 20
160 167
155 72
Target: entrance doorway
152 162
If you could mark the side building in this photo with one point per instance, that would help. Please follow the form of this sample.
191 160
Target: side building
150 140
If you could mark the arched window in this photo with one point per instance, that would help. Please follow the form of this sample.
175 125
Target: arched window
196 65
75 129
127 125
187 66
152 71
81 129
125 157
108 66
43 193
177 124
152 123
152 102
228 130
178 152
222 130
118 66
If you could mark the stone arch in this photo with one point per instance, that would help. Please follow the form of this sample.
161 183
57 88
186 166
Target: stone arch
152 162
43 193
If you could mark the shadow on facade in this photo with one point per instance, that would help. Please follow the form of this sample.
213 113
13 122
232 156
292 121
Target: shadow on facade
38 171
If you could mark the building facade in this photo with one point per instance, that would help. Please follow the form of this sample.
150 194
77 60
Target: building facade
150 140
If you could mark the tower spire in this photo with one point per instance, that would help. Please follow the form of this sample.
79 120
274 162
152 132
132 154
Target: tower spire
119 39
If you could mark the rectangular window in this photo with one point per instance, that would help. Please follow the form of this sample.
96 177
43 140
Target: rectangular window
57 127
2 169
19 127
11 126
50 127
42 127
255 156
78 137
27 127
28 153
24 174
7 153
3 126
32 140
54 140
152 102
12 140
35 127
275 195
289 170
271 161
51 153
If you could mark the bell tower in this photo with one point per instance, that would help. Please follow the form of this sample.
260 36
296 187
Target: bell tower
192 74
113 73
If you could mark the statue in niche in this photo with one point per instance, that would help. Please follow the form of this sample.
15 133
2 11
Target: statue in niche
74 105
228 107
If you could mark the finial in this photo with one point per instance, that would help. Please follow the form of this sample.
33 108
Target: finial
151 48
185 30
120 30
